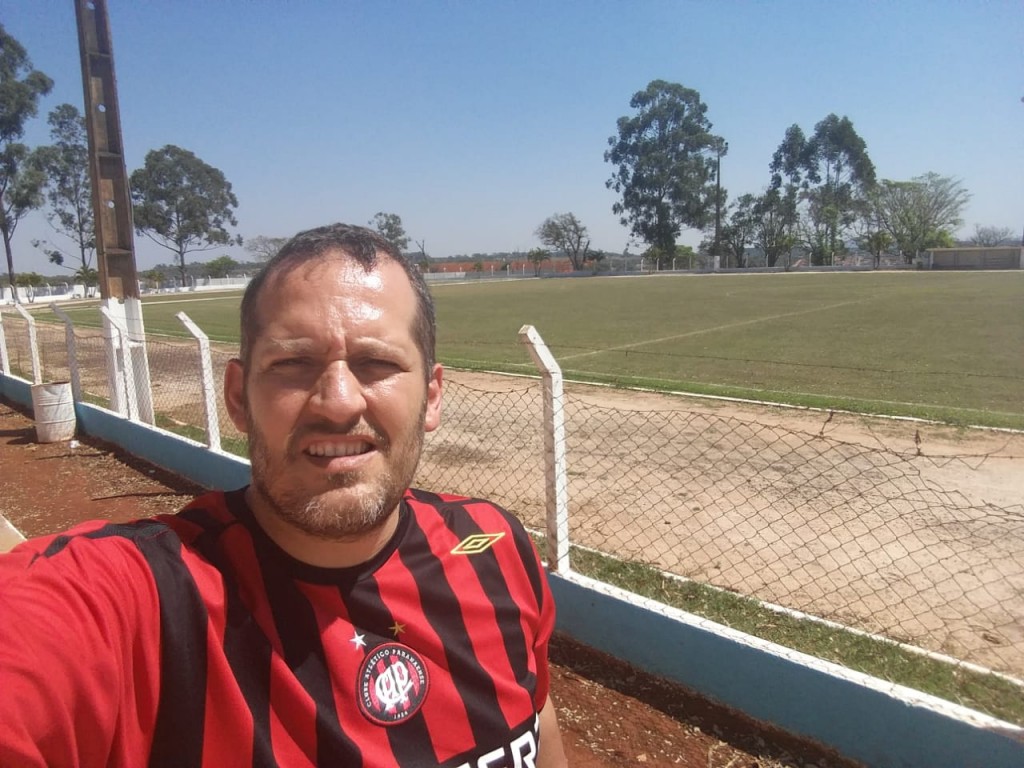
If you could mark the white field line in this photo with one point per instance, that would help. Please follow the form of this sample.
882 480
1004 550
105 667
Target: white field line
702 331
188 301
776 404
152 301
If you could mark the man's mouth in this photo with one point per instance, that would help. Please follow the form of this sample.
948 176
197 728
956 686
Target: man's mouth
335 449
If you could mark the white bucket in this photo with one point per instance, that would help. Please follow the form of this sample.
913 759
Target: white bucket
54 411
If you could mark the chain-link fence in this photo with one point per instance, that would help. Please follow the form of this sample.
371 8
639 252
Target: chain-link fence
918 536
867 536
490 445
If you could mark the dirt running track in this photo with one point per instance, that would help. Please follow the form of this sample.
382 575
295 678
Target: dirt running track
611 714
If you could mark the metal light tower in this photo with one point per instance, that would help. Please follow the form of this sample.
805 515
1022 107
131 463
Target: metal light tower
721 147
127 365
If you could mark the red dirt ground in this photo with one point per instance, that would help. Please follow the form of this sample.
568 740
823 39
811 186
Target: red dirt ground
611 714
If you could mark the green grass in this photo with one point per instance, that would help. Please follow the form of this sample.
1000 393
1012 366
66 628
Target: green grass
215 313
947 346
982 692
235 445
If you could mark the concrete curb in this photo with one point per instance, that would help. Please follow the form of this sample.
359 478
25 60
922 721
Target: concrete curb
10 536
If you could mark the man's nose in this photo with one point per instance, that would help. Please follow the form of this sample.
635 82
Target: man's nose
338 395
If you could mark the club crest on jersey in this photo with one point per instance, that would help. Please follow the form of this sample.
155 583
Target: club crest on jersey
477 543
393 684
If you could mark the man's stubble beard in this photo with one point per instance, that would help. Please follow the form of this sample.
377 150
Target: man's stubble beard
322 515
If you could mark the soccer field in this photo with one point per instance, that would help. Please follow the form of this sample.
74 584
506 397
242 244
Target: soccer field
946 345
949 345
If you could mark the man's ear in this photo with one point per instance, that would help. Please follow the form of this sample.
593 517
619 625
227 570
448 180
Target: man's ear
432 416
234 394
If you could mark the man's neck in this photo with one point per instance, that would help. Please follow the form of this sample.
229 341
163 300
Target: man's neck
316 550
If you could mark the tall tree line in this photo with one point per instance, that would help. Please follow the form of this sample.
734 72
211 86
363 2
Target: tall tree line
822 195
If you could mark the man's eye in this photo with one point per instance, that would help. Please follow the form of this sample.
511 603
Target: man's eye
376 365
291 362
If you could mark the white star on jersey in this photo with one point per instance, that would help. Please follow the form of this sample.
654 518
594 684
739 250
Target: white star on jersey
359 641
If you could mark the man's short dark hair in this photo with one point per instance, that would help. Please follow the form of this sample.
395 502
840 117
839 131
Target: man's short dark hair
361 245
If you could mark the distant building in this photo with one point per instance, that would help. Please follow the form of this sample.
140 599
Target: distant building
999 257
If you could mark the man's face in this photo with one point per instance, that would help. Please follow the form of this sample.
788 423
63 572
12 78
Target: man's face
334 396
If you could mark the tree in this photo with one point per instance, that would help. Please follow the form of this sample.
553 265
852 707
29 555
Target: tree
736 233
157 276
773 218
537 257
566 233
182 204
21 191
831 174
68 187
919 214
664 158
264 248
20 88
684 255
87 276
424 259
876 242
990 237
29 281
222 266
21 177
390 226
721 148
871 234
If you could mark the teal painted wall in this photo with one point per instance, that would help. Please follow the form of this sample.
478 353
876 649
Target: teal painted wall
844 710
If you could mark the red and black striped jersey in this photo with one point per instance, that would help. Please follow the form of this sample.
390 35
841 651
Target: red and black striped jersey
193 640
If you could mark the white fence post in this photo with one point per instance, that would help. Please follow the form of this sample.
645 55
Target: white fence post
5 360
33 344
113 341
127 362
556 482
209 391
69 338
122 392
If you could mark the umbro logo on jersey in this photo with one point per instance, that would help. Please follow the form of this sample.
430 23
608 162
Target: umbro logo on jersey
477 543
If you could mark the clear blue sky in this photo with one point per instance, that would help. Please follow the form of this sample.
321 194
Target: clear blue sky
474 121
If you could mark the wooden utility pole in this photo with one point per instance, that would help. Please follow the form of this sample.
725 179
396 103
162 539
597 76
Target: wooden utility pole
128 368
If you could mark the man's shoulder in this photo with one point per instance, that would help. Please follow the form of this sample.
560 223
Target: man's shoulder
93 557
100 533
452 507
452 501
98 539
